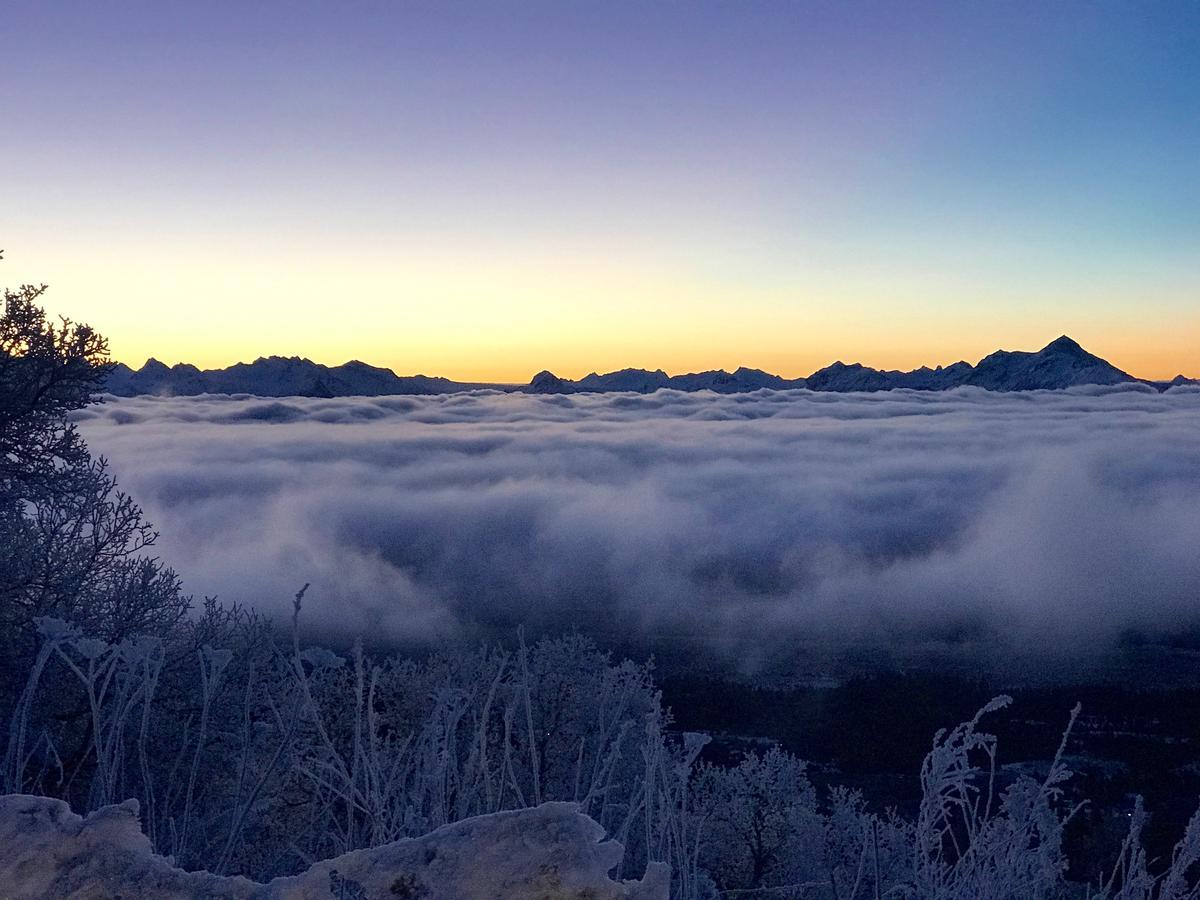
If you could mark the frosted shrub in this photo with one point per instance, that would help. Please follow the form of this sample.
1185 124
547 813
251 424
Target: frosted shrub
972 841
1131 879
672 823
864 855
255 755
763 829
114 680
587 722
393 749
18 757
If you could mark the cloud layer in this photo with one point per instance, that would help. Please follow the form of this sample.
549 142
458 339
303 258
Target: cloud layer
746 521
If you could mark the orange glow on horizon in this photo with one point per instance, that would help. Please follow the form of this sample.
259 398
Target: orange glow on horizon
488 315
1154 362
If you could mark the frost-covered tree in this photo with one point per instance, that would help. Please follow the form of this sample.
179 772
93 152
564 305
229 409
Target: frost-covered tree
72 545
763 829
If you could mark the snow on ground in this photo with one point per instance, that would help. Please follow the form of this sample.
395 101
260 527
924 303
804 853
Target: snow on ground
551 852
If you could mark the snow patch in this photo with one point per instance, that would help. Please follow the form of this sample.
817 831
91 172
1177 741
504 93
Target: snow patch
550 852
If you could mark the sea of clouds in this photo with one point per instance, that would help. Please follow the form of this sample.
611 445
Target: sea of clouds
747 521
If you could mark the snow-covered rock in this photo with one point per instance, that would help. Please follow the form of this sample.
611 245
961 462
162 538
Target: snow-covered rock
48 851
551 852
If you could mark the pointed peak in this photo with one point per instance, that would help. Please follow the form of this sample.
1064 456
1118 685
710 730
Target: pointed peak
1063 344
546 382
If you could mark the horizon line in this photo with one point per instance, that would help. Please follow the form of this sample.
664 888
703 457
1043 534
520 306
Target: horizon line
600 371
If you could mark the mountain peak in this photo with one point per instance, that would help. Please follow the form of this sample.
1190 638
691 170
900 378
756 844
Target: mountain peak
546 382
1063 344
1060 364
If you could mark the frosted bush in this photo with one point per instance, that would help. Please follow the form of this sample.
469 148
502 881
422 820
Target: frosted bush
763 829
971 840
250 755
1131 879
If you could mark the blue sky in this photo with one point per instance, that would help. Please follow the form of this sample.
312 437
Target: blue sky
484 190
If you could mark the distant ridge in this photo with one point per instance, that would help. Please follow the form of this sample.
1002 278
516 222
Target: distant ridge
277 376
1060 364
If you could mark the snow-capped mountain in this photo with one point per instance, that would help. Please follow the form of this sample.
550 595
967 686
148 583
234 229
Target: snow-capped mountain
1061 363
276 376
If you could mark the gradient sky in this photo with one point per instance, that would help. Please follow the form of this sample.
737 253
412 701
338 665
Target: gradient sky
484 190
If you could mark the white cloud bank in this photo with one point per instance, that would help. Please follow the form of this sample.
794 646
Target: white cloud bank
746 519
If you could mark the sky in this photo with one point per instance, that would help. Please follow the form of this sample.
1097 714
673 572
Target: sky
484 190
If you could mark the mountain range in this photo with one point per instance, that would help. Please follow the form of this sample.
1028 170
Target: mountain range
1060 364
277 376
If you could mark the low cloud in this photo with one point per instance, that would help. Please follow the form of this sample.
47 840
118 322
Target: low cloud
747 521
